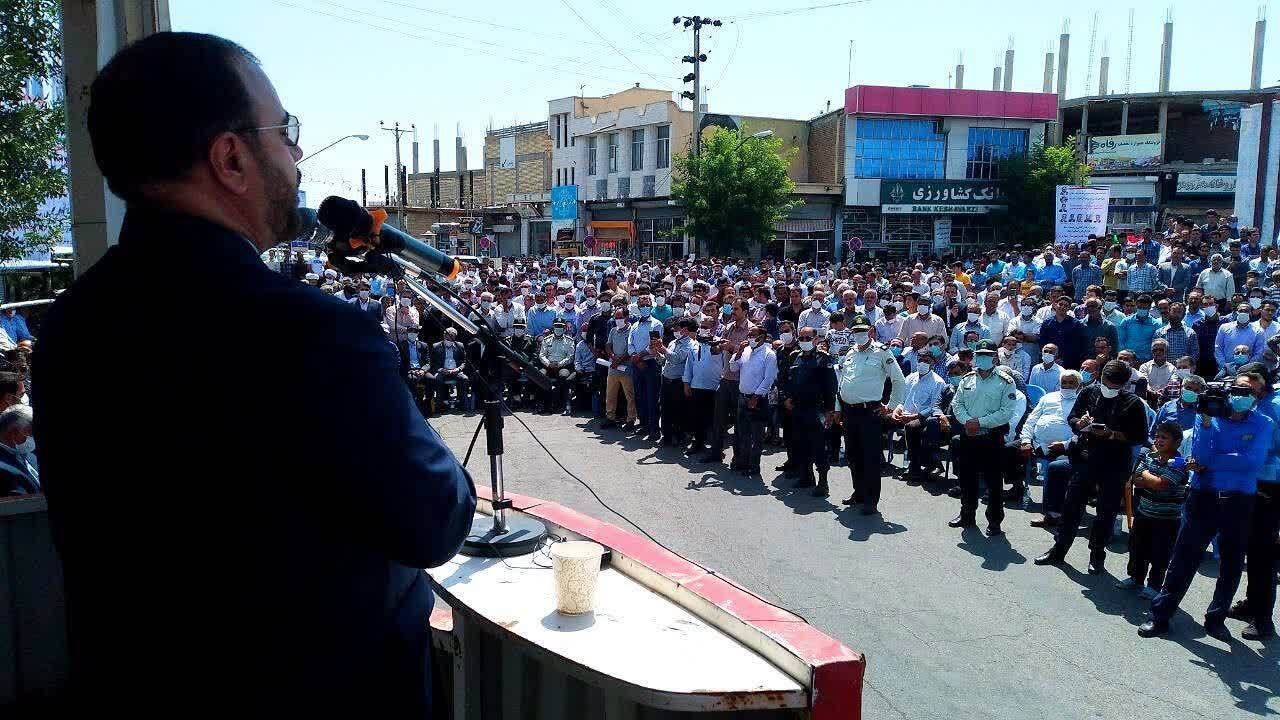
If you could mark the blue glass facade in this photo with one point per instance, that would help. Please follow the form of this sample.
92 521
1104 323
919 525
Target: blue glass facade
899 149
987 146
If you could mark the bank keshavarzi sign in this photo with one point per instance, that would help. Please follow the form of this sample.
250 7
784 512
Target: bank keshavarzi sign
941 197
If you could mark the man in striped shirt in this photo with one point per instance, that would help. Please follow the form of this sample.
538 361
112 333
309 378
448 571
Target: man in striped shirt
1084 275
1143 276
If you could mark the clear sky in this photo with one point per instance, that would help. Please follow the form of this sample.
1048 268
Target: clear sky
343 65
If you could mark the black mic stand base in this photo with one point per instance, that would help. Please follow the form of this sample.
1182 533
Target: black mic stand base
522 536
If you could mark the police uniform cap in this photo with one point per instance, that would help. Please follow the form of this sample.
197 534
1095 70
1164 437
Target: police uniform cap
859 321
985 347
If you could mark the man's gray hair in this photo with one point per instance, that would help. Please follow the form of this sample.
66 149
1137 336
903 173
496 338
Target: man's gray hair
16 416
1192 380
1071 374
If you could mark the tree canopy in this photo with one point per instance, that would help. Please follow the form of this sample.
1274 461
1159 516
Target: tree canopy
1030 184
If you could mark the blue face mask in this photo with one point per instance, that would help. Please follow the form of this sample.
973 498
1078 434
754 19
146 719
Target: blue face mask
645 311
896 351
955 380
1189 397
726 308
1142 312
984 362
1086 376
935 351
1240 359
971 345
1241 403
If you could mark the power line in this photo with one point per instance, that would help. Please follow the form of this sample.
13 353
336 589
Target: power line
434 41
736 40
790 11
600 35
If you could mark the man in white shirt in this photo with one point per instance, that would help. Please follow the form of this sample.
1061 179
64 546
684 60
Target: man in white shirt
922 418
889 326
815 316
1158 369
1012 356
757 366
1046 435
996 322
1047 373
1026 328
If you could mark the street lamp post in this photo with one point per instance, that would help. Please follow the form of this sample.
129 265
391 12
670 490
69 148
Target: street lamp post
358 136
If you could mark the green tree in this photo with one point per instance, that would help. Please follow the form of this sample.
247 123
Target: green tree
1030 183
32 131
734 191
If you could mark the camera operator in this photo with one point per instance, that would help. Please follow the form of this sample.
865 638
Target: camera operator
1226 455
248 577
1259 601
1109 421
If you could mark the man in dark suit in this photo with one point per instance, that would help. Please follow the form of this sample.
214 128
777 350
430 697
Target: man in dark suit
18 473
449 364
365 303
266 557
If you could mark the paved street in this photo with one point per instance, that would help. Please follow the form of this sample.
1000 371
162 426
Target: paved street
954 625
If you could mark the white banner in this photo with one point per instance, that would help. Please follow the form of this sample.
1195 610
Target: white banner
507 152
1081 212
1200 184
1118 152
942 232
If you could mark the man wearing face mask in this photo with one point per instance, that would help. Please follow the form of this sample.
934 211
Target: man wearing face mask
673 357
1240 331
556 356
921 416
1047 373
863 372
366 304
703 371
923 320
757 366
641 343
983 405
1226 456
19 474
1108 421
807 391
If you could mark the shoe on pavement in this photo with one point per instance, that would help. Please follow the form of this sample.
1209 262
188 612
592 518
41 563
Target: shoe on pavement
821 490
1127 584
1052 557
994 531
1240 611
1151 628
1217 629
1048 521
1097 563
961 521
851 500
711 458
1258 632
954 491
1149 593
870 510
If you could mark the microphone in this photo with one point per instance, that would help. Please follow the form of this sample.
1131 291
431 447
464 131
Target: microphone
354 227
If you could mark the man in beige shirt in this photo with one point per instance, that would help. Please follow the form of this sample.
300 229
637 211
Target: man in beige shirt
923 320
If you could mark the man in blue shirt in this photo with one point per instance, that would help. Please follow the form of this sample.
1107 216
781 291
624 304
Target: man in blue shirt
702 373
1226 454
1240 331
1084 274
1259 601
642 341
1183 410
1138 330
540 317
15 325
1050 273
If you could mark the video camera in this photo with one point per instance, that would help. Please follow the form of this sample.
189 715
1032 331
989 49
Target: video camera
1213 401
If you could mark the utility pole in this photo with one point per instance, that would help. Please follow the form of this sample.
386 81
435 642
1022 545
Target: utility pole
696 59
399 187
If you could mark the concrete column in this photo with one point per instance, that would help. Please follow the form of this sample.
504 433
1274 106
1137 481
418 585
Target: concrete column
995 78
1048 73
1166 57
1259 38
959 77
1008 69
1124 118
1164 129
1083 140
1102 76
92 31
1064 44
524 236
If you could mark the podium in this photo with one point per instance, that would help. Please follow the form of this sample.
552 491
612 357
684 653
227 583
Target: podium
668 638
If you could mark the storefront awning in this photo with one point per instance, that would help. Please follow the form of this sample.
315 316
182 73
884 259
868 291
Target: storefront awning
805 226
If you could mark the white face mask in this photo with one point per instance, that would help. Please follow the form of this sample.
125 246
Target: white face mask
973 317
1242 318
413 337
1026 311
1210 310
406 302
1069 393
1048 357
861 338
364 294
540 306
620 322
1108 392
589 302
786 338
486 304
806 345
659 300
816 305
1255 303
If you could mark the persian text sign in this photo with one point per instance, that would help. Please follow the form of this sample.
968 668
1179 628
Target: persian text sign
943 197
1081 212
1200 184
1118 152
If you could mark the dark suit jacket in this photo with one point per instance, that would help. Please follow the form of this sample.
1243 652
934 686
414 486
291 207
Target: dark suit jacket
14 477
280 497
374 310
437 356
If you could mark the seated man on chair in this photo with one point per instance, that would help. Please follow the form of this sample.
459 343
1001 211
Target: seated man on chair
922 416
18 471
449 365
555 354
1046 436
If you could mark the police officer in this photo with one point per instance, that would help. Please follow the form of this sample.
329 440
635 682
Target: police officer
863 372
983 406
808 395
1226 454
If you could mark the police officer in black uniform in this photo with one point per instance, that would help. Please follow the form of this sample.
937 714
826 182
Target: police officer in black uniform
808 396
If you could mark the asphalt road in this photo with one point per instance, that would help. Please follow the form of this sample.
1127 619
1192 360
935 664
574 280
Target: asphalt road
954 624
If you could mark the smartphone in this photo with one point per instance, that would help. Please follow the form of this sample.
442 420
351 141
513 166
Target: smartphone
1097 426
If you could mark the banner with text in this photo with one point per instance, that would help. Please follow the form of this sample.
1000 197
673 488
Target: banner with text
1205 184
1081 211
1120 152
941 197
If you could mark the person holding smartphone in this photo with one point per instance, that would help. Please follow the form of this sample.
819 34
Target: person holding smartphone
1108 421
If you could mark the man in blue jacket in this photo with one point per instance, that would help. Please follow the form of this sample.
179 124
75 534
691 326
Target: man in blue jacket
1226 456
258 548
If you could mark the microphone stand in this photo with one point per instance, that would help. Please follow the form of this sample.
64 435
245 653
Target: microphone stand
494 535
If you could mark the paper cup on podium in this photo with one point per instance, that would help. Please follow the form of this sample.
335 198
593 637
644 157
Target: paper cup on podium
576 566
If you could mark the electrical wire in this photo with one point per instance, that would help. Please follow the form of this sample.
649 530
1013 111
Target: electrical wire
732 53
789 11
601 35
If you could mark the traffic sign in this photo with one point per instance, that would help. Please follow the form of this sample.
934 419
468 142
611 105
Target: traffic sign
477 227
855 244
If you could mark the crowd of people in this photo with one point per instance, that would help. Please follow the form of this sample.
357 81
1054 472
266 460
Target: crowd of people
1099 366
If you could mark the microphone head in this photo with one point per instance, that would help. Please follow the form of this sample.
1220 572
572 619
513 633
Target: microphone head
344 217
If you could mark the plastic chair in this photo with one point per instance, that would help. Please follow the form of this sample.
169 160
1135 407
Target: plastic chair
1034 394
